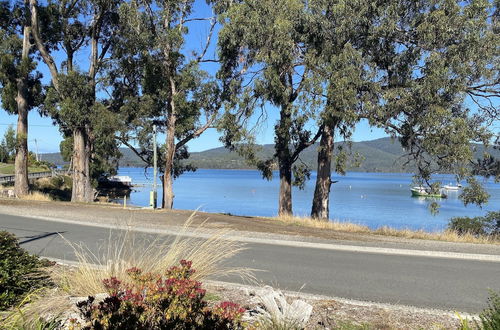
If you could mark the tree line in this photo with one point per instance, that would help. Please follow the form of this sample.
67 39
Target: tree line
425 71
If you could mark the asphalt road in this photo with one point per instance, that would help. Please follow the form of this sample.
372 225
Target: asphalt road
449 284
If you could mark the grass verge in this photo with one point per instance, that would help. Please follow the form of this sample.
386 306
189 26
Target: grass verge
37 196
446 235
8 169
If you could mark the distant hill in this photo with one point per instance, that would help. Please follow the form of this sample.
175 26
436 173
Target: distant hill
381 155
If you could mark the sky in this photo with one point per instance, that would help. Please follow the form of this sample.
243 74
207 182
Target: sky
45 136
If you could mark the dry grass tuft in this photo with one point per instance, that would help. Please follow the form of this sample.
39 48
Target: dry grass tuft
127 249
36 196
44 183
36 310
331 225
447 235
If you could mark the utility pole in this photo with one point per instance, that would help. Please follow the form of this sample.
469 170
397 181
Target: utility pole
153 195
36 147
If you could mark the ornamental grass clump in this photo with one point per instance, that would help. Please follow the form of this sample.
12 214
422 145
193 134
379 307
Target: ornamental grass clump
124 249
172 300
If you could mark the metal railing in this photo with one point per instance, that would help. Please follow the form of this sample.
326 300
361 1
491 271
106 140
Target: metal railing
35 175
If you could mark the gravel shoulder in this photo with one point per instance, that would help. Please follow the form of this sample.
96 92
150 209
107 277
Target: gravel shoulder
338 313
242 226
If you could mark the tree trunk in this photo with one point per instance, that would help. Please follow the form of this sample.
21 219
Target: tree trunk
82 188
168 193
321 199
21 186
284 162
285 198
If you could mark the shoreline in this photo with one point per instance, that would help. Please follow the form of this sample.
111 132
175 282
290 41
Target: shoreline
291 228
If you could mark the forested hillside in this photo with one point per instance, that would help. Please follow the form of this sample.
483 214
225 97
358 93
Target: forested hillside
381 155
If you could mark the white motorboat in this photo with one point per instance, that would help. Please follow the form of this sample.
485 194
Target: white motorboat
452 187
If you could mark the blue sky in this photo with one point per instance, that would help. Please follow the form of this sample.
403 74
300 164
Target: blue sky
48 137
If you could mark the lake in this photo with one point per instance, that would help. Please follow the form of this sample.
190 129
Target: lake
371 199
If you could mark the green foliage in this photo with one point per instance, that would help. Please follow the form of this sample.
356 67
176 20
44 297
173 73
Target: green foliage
66 149
72 104
430 75
148 301
8 145
57 187
263 47
490 317
71 99
489 163
480 226
168 88
12 66
19 271
474 193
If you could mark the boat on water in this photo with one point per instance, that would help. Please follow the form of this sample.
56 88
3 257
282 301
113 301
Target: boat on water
452 187
426 192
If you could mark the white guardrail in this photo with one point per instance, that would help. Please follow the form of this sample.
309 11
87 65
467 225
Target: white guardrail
35 175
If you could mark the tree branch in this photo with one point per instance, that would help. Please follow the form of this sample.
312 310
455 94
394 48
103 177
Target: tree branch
209 38
47 58
134 150
307 144
196 133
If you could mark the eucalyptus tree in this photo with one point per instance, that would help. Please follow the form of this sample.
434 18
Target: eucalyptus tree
159 80
441 56
20 84
408 67
78 27
263 47
336 32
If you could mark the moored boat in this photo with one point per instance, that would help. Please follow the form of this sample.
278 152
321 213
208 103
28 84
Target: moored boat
423 192
452 187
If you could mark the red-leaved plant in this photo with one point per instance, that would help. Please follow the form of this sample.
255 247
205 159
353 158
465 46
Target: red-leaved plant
149 301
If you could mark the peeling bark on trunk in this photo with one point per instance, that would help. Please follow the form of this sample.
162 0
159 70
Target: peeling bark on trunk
21 186
285 198
320 206
82 188
285 163
168 193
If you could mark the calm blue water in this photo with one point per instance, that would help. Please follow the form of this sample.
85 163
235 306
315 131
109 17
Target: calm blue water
372 199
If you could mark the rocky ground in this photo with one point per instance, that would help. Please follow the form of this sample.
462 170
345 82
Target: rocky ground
311 311
331 313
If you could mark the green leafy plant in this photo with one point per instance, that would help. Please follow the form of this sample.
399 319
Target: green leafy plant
489 319
488 225
20 272
148 301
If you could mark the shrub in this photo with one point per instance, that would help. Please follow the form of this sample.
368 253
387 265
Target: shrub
19 271
57 187
148 301
488 225
490 317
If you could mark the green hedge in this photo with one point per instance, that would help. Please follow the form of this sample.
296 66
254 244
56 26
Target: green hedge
488 225
20 272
